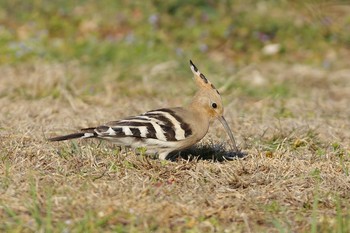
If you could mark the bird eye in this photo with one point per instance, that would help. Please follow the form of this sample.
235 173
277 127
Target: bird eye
214 105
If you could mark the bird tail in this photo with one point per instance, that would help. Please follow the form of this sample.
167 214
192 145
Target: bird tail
89 133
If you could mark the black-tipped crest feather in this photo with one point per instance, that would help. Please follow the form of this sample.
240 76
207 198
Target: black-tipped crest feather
195 68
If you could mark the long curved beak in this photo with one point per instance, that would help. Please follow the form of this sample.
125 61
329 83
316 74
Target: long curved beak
229 132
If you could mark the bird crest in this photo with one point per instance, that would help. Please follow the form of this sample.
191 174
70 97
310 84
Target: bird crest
201 81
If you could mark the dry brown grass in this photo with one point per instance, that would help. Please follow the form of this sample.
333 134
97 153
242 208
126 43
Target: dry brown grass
295 177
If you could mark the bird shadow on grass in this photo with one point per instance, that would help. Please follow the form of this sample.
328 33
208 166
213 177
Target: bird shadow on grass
210 152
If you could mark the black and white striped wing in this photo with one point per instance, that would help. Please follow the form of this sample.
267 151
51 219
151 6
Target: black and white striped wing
162 124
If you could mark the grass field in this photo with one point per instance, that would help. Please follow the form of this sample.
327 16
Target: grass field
65 66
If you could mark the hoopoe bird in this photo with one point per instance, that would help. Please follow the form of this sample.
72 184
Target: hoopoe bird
165 130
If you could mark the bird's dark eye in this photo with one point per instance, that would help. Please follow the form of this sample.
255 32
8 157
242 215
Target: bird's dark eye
214 105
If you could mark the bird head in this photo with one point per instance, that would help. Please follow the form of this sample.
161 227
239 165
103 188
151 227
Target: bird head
207 97
208 100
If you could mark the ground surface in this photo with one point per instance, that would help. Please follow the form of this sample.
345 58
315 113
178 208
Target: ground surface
290 112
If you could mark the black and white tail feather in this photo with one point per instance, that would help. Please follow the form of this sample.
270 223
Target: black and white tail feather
165 130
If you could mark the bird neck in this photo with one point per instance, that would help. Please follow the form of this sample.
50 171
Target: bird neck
197 106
